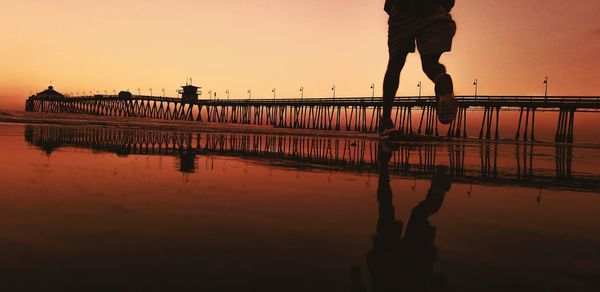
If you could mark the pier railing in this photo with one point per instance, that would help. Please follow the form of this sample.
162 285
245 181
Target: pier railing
589 102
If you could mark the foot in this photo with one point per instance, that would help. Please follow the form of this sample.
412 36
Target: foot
386 127
446 102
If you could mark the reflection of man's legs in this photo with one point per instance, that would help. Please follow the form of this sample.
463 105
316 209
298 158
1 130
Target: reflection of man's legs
388 229
391 82
419 230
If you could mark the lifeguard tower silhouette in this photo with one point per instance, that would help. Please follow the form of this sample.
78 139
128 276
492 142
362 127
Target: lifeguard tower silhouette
189 93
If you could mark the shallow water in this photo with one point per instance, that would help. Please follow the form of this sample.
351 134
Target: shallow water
112 209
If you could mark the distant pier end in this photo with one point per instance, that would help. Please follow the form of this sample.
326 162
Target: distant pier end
48 94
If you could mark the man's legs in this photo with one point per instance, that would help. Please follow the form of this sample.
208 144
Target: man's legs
391 82
444 88
432 67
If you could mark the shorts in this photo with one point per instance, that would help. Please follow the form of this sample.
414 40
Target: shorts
432 34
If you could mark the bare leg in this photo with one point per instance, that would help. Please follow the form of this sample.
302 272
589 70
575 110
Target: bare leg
444 88
431 66
391 83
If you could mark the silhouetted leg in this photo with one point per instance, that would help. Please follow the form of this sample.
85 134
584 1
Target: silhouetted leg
391 82
431 66
444 88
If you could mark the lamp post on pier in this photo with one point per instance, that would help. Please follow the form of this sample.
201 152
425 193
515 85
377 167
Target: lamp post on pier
274 93
210 94
333 89
419 86
301 92
249 94
546 81
150 92
227 92
475 85
372 91
139 91
163 91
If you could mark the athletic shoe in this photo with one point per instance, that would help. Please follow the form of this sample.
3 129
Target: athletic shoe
447 105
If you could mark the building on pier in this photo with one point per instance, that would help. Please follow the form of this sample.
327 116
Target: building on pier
125 95
189 93
50 94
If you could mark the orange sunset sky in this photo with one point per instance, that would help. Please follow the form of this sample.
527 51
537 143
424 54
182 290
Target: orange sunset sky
85 45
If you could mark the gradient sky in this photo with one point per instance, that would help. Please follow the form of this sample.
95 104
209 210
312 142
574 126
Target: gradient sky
84 45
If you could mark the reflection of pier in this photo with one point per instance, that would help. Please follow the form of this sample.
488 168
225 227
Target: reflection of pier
469 163
411 114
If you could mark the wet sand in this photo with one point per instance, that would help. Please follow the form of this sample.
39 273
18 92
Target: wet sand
78 215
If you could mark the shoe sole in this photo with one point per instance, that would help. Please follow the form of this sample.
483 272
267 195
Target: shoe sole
444 87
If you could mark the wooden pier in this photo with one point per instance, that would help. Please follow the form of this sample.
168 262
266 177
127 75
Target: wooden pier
359 114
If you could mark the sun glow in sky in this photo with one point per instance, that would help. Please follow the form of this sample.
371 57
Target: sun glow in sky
85 45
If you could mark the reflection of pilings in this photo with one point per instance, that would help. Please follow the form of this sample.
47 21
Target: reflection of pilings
400 159
308 149
564 159
359 155
489 160
524 161
456 155
427 158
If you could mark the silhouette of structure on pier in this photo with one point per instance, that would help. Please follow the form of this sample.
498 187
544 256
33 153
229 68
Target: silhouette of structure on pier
414 160
335 114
